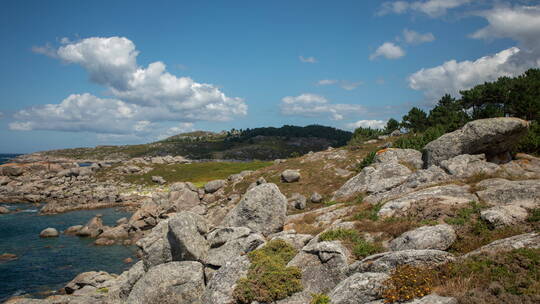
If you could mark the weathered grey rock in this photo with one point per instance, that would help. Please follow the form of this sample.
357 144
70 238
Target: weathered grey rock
298 201
439 237
403 156
115 233
4 210
527 240
183 197
434 299
387 261
174 282
262 209
131 169
121 221
93 228
231 242
491 136
220 288
4 180
498 191
499 216
155 248
376 178
48 232
463 166
12 170
96 279
298 241
316 198
159 180
214 185
359 288
186 237
323 266
122 286
451 195
290 176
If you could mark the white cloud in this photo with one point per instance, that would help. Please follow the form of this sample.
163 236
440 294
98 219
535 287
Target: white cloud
142 96
307 59
326 82
374 124
47 50
520 23
312 105
347 85
388 50
181 128
432 8
413 37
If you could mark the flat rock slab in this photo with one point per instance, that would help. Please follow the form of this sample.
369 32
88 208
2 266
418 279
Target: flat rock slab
527 240
387 261
359 288
439 237
499 191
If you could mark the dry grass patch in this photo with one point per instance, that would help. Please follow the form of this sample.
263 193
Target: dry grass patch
307 224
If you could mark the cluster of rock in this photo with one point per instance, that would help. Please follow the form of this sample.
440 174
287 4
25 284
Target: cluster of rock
64 186
193 242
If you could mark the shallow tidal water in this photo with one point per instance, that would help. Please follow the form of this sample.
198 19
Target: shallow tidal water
47 264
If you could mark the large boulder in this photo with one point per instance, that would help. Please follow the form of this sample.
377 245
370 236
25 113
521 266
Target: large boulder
262 209
410 157
527 240
174 282
499 216
323 265
498 191
186 237
491 136
48 232
230 242
214 185
290 176
450 195
95 279
439 237
183 197
11 170
378 177
4 210
359 288
220 288
155 248
93 228
387 261
123 285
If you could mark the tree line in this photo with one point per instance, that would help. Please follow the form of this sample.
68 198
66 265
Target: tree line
506 97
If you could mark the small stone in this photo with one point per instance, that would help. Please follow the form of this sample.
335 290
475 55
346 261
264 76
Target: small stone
290 176
316 198
159 180
128 260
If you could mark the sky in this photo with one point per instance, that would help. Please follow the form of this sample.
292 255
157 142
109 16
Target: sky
87 73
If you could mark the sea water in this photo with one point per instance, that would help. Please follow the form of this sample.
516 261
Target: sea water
47 264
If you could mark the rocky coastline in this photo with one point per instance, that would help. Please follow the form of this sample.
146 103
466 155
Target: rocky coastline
199 245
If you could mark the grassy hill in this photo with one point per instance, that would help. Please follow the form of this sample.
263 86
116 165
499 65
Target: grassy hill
260 143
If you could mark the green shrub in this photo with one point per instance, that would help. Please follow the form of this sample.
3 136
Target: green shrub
368 160
407 282
362 134
370 213
531 142
269 279
418 141
534 216
320 298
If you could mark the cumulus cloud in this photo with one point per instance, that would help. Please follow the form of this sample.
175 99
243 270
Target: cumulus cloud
521 23
388 50
312 105
374 124
307 59
143 96
432 8
181 128
413 37
344 84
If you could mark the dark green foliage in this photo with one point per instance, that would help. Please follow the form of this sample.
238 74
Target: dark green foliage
448 114
366 161
360 135
317 131
320 298
418 141
269 279
415 121
531 142
391 126
534 216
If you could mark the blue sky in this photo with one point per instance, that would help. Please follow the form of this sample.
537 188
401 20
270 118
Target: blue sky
86 73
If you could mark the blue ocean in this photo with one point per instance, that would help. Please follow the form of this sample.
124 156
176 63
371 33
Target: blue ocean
46 265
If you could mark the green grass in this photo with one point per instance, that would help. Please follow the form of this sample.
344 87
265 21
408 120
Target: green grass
534 216
269 279
197 173
369 213
465 215
320 298
352 239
